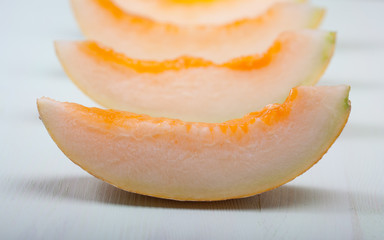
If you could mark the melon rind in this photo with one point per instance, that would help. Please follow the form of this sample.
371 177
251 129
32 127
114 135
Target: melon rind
179 160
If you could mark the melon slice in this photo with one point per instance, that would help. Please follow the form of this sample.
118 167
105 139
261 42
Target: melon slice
173 159
194 89
142 38
202 12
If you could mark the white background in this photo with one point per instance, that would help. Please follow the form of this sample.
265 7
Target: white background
45 196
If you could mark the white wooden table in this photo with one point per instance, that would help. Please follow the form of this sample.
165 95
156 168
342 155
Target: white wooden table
45 196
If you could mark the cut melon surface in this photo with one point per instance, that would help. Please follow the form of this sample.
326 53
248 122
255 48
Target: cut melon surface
142 38
179 160
193 89
198 12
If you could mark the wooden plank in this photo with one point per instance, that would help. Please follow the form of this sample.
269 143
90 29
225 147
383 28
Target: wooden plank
44 196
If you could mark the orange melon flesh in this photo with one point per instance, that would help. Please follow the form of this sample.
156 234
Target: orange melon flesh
193 89
202 12
172 159
141 38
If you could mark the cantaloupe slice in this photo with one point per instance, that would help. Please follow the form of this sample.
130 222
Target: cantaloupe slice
142 38
201 161
202 12
198 90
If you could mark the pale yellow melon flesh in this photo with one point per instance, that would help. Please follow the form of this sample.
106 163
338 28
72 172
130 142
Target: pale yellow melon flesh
201 161
195 89
142 38
202 12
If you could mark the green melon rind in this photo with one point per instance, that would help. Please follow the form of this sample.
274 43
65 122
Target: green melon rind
317 17
325 57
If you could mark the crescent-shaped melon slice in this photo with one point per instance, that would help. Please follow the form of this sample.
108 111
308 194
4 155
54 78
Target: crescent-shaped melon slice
194 89
202 12
173 159
142 38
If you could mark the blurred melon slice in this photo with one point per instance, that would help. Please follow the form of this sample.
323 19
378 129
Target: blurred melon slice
193 89
142 38
201 12
173 159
